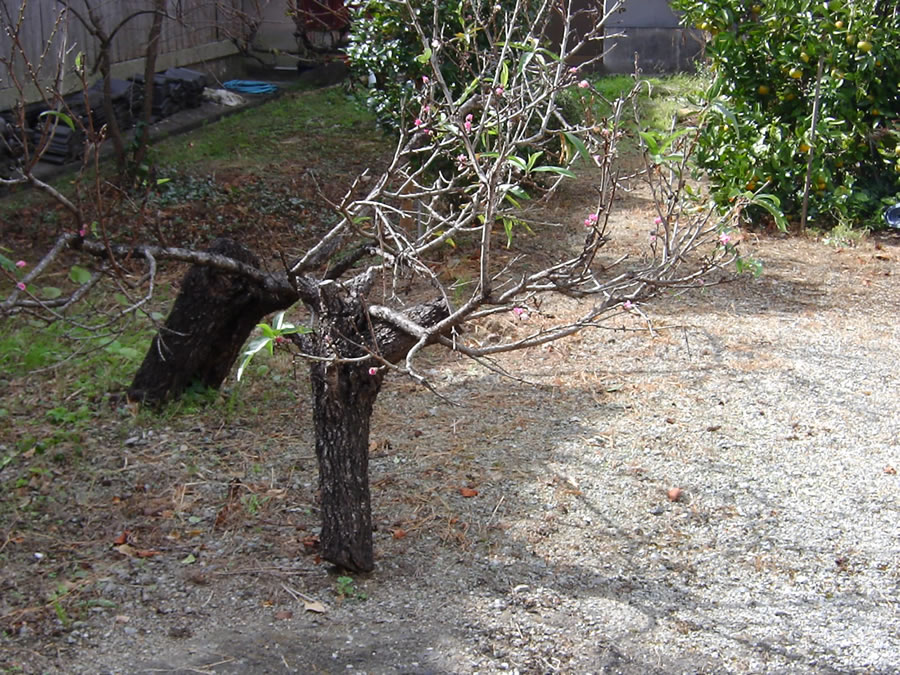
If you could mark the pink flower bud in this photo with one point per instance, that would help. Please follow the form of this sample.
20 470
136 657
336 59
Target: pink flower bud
82 232
724 238
21 263
628 305
425 79
584 84
657 221
591 220
373 371
20 286
518 311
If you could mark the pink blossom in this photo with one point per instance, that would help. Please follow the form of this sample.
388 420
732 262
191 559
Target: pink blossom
21 263
499 91
657 221
467 125
418 123
628 305
724 238
584 84
591 220
573 69
82 232
20 286
518 311
425 79
373 371
279 340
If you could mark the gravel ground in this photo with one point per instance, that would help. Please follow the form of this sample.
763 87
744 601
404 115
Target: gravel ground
770 404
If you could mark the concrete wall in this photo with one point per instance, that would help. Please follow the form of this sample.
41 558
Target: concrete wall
649 31
275 42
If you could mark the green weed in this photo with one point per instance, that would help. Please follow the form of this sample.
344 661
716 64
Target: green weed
346 588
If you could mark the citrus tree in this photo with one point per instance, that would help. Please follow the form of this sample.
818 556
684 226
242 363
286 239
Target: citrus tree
777 60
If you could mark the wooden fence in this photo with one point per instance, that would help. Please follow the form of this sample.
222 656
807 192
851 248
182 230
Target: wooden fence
193 31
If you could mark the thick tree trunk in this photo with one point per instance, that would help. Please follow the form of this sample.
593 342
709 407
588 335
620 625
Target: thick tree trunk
343 397
344 393
211 319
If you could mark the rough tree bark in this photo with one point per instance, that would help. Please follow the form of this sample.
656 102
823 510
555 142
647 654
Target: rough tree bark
343 398
344 393
211 319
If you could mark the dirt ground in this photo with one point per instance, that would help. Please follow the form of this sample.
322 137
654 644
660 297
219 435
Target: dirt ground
713 492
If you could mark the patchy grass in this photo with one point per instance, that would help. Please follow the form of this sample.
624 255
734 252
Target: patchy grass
661 98
258 137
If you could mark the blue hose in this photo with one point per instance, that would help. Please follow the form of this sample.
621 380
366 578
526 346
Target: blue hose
250 86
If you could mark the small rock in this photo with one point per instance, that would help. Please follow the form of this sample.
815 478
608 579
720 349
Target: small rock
179 632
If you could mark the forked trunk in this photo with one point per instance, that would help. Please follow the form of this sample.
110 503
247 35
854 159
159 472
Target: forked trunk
343 398
213 315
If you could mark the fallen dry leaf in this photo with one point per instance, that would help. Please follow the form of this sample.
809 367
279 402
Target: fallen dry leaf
313 606
890 471
122 538
126 549
468 492
674 494
283 614
399 533
147 553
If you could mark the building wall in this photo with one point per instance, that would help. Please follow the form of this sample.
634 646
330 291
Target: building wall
199 31
648 30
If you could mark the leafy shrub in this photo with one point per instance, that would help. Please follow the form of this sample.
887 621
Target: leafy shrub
766 57
386 50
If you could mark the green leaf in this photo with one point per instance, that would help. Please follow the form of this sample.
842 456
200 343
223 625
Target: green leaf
473 85
508 226
517 162
650 140
555 169
79 275
579 145
772 204
519 192
61 116
425 56
252 350
50 292
504 74
279 323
